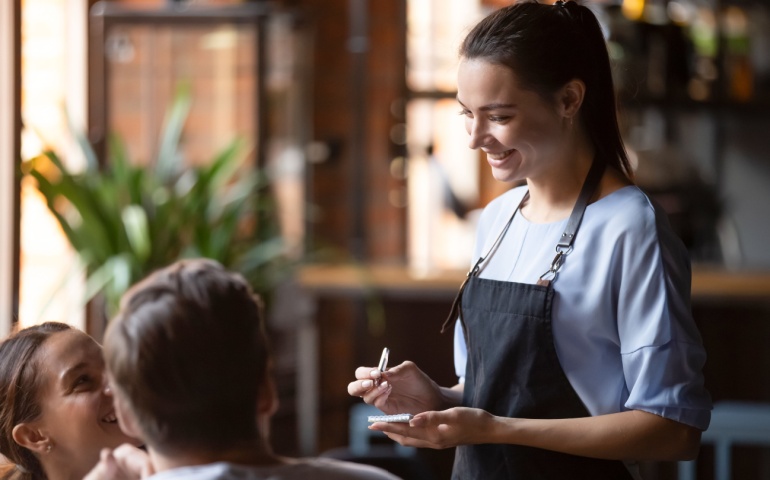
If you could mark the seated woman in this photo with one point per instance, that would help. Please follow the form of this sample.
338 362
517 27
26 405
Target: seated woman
56 411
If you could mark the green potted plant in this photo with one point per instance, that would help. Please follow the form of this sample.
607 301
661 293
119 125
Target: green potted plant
125 220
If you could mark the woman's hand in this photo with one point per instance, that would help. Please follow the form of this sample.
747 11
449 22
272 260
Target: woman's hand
401 389
445 429
124 463
632 434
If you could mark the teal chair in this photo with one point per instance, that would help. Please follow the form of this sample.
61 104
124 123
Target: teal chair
732 423
373 448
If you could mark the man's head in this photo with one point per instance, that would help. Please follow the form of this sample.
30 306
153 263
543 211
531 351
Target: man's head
187 355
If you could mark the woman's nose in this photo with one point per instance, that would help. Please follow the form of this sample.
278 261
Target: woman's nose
477 134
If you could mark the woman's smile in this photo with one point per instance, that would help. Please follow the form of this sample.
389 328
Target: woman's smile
498 158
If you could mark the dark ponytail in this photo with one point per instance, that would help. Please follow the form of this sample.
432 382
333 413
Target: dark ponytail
19 400
547 46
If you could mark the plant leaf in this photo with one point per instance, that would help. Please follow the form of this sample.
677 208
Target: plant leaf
168 151
137 231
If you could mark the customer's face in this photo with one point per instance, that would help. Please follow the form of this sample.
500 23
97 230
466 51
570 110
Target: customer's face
77 415
519 130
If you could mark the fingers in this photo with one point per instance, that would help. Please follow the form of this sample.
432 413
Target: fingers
413 442
105 469
368 379
409 436
378 396
133 461
373 395
426 419
364 373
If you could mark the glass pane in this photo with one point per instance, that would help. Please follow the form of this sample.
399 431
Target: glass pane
287 86
443 187
147 63
52 56
435 29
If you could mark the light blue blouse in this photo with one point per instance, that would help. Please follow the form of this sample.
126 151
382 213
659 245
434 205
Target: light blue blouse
622 323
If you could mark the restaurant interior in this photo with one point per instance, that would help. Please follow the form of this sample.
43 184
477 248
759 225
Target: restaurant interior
359 189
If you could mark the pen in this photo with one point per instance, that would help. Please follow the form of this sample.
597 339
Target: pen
383 364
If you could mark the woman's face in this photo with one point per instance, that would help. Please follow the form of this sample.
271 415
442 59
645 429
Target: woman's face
519 131
77 415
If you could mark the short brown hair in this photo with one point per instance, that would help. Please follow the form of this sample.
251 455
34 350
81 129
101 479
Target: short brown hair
188 352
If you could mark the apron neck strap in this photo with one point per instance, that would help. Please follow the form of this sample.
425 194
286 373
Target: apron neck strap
562 248
457 310
576 217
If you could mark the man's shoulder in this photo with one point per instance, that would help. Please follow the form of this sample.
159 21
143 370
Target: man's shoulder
338 469
295 469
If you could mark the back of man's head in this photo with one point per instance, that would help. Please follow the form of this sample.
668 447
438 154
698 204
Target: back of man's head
187 353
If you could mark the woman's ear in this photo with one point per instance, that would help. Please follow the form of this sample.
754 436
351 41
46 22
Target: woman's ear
30 437
570 97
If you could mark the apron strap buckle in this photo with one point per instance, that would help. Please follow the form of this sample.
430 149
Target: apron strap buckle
550 275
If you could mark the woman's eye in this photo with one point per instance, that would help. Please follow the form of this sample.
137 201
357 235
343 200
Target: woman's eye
465 113
83 380
499 119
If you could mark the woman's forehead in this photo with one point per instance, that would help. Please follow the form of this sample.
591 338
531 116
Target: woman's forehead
482 82
66 349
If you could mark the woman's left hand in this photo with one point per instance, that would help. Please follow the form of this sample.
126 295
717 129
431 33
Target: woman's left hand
444 429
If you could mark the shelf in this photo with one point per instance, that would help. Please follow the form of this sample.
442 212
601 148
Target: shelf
754 107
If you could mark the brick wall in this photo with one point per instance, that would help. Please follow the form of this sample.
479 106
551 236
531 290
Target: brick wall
333 120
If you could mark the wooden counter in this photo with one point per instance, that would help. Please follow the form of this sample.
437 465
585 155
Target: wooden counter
708 283
716 293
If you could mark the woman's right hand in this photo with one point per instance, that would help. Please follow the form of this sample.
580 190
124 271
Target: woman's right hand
124 463
401 389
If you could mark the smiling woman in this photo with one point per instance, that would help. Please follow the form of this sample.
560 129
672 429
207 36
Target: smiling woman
560 339
56 411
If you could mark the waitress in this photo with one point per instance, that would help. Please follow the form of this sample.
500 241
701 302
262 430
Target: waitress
575 347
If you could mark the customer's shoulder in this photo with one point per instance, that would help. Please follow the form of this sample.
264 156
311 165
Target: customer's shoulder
327 468
292 469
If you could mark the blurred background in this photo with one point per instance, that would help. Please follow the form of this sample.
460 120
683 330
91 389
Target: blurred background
364 190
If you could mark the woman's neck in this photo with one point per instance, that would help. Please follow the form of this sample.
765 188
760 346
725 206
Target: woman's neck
64 471
553 193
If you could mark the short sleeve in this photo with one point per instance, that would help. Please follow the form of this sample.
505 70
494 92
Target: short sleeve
661 349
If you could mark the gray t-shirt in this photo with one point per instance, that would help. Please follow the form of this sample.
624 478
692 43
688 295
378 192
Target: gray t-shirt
299 469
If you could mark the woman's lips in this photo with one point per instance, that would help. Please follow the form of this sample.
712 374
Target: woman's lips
499 158
499 155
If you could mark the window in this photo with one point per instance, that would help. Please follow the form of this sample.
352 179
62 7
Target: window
8 159
447 182
53 50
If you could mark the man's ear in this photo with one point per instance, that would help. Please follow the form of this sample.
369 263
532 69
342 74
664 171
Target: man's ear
267 403
30 437
571 96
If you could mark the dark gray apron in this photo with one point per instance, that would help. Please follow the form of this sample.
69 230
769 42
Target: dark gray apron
513 370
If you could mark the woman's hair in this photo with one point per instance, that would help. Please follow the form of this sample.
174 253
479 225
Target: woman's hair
188 353
19 399
547 46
